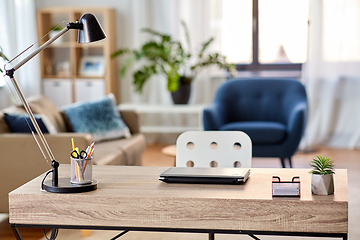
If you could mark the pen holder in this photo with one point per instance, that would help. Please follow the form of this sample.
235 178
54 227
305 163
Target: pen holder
81 171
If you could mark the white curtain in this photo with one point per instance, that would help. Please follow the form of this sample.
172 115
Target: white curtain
18 31
332 74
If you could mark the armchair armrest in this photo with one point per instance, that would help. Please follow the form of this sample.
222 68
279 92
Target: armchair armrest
212 117
297 119
295 128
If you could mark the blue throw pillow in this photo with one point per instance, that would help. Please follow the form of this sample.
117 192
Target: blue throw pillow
18 123
100 118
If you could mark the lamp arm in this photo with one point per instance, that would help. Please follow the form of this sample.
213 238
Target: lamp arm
10 74
42 47
32 118
54 163
89 31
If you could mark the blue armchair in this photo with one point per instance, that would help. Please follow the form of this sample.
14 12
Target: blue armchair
273 112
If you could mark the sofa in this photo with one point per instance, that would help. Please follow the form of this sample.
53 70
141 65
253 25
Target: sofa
21 160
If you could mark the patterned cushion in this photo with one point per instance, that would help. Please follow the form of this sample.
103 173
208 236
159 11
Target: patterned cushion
100 118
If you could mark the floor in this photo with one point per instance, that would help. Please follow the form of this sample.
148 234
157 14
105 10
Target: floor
343 158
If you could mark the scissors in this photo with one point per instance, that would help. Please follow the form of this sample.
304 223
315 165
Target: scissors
75 154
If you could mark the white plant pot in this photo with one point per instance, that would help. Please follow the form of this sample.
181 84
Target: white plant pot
322 184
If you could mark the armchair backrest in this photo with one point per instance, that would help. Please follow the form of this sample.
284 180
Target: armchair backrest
265 99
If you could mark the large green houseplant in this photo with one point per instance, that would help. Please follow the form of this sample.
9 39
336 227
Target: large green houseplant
163 55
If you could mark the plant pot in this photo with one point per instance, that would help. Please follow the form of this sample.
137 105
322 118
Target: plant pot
182 95
322 184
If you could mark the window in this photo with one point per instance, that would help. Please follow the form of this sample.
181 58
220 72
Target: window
265 34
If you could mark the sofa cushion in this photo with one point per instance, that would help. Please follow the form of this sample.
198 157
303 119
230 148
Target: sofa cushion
260 132
100 118
4 128
42 105
21 123
125 151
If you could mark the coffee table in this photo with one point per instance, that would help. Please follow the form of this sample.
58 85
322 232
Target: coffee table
169 150
132 198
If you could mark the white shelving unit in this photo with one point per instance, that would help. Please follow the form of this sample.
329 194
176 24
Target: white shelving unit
58 90
89 89
62 64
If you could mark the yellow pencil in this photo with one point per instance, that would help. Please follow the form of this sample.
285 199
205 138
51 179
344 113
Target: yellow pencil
73 144
77 171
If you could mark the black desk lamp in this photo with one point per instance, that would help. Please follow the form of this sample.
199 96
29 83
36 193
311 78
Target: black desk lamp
89 31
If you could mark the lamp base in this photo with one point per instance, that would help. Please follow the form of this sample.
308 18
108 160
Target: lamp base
64 186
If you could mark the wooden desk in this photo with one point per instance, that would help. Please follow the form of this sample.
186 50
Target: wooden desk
132 198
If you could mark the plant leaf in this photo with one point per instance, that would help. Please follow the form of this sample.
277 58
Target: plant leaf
187 35
322 165
120 52
164 37
173 79
204 46
142 75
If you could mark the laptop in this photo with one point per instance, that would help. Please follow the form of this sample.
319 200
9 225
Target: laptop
205 175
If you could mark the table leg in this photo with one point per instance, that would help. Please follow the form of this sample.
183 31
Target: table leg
16 233
211 236
254 237
54 233
119 235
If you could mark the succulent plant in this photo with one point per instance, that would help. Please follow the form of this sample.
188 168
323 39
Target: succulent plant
322 165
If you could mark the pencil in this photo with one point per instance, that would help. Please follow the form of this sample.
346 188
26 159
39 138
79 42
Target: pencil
87 160
77 170
89 155
73 144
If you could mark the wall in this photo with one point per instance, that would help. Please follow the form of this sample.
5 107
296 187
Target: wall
4 98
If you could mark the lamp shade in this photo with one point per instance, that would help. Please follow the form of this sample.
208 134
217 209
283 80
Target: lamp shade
91 30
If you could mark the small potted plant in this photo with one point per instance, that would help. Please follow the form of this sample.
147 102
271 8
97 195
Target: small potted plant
53 31
322 182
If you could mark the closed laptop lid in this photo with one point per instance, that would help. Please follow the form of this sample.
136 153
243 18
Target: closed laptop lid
205 175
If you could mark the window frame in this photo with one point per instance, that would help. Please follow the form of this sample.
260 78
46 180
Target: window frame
255 65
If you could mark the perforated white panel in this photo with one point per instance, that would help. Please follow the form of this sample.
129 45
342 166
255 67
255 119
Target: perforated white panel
214 148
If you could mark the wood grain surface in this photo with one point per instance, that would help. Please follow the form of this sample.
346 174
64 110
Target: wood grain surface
134 197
